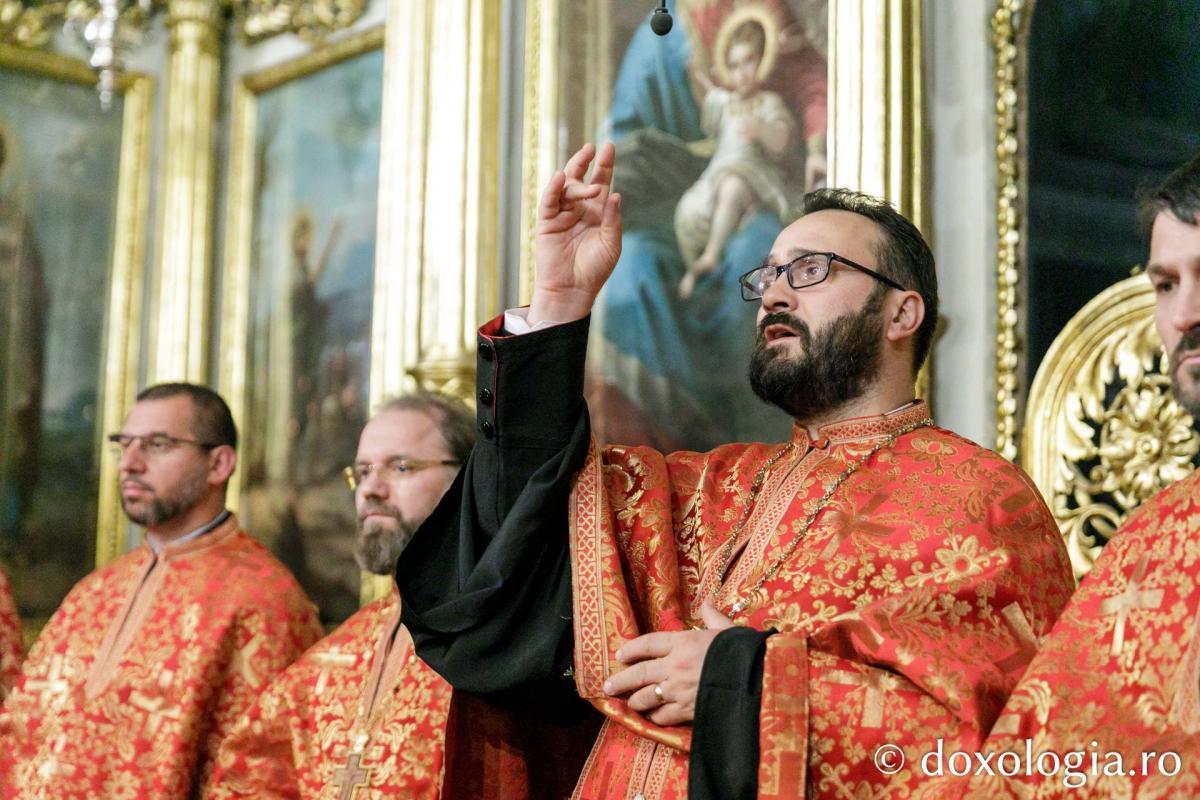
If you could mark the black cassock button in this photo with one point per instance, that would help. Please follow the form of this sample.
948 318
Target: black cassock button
488 428
485 396
486 351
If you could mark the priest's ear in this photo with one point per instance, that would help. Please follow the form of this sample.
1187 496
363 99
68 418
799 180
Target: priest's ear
222 461
903 314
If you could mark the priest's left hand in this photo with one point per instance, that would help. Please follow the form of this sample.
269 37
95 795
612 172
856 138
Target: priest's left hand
670 661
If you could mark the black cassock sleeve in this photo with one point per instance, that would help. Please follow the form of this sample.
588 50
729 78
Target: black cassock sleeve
723 764
486 580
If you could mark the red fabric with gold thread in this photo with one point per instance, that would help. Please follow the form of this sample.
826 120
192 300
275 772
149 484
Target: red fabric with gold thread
146 666
297 738
12 641
907 612
1120 673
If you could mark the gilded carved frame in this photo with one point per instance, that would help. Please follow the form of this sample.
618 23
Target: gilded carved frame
1010 25
121 348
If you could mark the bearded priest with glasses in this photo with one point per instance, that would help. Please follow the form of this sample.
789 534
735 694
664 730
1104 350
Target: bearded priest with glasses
761 620
359 714
148 663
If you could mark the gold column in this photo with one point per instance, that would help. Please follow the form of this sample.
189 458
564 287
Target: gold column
876 113
180 298
124 318
436 258
876 124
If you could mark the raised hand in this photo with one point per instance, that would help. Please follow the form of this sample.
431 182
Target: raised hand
577 237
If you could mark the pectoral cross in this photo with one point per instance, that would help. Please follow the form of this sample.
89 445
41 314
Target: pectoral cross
54 683
875 682
860 522
351 777
1133 597
156 715
1027 643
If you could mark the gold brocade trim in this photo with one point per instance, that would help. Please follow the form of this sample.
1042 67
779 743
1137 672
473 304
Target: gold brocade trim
592 657
140 601
783 719
784 487
595 604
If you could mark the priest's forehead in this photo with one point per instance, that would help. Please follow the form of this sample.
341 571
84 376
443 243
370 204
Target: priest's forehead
172 416
402 433
850 235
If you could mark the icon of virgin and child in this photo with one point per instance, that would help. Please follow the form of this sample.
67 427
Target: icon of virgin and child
720 130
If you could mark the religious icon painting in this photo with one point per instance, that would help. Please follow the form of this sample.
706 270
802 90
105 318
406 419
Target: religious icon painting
720 128
72 221
300 264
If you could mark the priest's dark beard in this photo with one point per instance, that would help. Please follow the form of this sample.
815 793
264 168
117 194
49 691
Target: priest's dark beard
1187 397
837 365
378 546
171 504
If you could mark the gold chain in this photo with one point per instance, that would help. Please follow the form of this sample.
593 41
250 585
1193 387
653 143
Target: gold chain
756 487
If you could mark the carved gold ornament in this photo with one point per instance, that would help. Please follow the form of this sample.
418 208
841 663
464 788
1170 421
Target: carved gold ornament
109 28
1103 432
1007 26
311 20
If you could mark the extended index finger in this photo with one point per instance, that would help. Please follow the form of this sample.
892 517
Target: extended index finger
651 645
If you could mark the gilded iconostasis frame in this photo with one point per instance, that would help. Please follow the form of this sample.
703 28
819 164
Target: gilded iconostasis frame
438 259
1096 427
1009 23
121 345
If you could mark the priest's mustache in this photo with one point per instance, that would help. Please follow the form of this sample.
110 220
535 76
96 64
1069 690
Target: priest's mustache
784 318
1189 344
378 508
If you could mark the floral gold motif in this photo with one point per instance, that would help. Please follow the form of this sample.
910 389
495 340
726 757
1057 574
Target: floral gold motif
1104 432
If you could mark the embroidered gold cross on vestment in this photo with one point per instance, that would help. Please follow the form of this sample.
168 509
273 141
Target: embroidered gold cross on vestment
1133 597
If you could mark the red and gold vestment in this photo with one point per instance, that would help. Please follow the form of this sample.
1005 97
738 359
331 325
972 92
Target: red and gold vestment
145 668
311 732
12 641
1120 673
315 732
905 613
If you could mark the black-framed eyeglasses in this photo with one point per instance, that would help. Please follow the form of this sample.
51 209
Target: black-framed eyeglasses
802 271
153 444
390 470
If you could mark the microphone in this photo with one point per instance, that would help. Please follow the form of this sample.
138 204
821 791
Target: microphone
660 21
